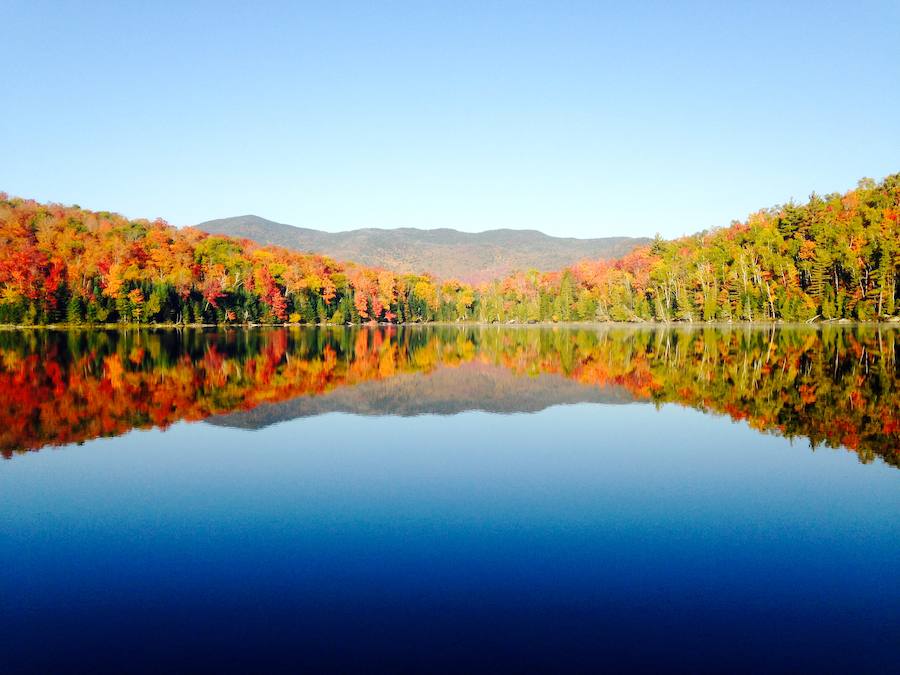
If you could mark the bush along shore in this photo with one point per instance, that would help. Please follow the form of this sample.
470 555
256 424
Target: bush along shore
834 258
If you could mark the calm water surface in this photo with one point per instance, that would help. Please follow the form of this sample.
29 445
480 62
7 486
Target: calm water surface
706 499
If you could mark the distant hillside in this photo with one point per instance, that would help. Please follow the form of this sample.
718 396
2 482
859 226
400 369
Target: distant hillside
444 252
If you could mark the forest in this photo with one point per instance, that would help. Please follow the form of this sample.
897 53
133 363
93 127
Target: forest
835 257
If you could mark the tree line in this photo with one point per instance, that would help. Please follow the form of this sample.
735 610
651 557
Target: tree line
835 257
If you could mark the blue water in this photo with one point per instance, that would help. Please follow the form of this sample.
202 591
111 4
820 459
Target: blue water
583 536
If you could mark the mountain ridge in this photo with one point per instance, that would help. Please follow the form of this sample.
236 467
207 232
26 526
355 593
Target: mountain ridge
444 252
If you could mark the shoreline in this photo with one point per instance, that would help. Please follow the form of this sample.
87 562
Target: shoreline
848 323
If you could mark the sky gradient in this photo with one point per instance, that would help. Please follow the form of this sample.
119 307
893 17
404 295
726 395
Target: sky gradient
577 119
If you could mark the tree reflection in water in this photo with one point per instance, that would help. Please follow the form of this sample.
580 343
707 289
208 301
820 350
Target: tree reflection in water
834 386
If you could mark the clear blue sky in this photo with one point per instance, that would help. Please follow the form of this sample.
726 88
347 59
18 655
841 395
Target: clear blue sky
578 119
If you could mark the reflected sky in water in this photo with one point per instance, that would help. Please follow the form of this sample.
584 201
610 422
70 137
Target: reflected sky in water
594 530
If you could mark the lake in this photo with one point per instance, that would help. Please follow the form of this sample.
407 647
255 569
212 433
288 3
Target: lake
708 498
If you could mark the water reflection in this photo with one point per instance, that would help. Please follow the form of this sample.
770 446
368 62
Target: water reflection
833 386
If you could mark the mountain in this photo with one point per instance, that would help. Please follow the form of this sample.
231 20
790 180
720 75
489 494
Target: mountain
445 391
446 253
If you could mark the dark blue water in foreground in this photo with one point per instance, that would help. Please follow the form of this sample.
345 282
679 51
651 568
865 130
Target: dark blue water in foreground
582 536
586 535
